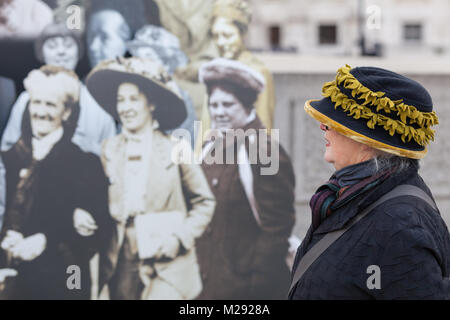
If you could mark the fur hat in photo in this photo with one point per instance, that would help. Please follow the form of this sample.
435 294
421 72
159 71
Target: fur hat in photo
233 71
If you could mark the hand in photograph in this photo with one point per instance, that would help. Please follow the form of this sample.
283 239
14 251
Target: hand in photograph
30 248
5 273
84 223
169 247
11 240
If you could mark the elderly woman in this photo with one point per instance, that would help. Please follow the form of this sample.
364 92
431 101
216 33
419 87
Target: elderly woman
50 185
160 206
61 47
242 253
153 42
376 218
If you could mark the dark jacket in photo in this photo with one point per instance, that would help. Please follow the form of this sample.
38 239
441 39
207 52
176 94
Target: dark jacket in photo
240 258
66 179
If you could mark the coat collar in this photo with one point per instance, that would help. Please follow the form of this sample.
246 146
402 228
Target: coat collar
343 215
160 162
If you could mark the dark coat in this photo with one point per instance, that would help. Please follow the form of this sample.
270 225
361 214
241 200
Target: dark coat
67 179
404 237
238 258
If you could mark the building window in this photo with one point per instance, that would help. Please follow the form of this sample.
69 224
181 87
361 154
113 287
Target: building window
328 34
412 32
275 37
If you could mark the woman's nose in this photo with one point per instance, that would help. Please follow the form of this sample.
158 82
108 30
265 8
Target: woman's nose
221 41
123 107
220 111
40 110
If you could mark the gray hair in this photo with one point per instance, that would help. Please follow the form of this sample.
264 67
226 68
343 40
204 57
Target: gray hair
383 160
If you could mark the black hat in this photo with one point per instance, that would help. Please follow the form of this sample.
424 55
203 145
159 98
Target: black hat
103 81
379 108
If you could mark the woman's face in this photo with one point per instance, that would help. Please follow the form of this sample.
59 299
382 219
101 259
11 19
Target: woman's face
227 38
226 111
342 151
133 108
47 112
61 51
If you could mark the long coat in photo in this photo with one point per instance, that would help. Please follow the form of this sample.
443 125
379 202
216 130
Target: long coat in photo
66 179
171 187
241 258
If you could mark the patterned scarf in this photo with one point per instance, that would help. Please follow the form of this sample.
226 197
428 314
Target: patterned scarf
344 186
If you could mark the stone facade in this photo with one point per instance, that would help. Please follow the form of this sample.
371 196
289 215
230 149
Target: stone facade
383 22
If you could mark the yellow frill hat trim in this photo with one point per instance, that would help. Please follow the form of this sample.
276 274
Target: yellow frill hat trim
425 120
362 138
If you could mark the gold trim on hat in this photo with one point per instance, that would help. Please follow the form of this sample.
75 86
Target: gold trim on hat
358 137
408 114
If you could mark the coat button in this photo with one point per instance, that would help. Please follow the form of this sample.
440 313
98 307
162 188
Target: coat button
215 182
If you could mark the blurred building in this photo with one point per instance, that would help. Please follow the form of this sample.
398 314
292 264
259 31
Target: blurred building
336 27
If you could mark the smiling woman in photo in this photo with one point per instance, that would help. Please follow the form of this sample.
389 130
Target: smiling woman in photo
56 211
160 207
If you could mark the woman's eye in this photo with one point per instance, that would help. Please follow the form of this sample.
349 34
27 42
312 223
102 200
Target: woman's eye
68 44
51 44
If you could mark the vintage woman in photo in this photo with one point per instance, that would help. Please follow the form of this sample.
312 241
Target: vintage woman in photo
376 218
160 206
56 212
242 254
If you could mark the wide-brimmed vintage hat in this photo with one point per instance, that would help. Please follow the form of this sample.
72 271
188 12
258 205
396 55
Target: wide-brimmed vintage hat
379 108
151 78
221 69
